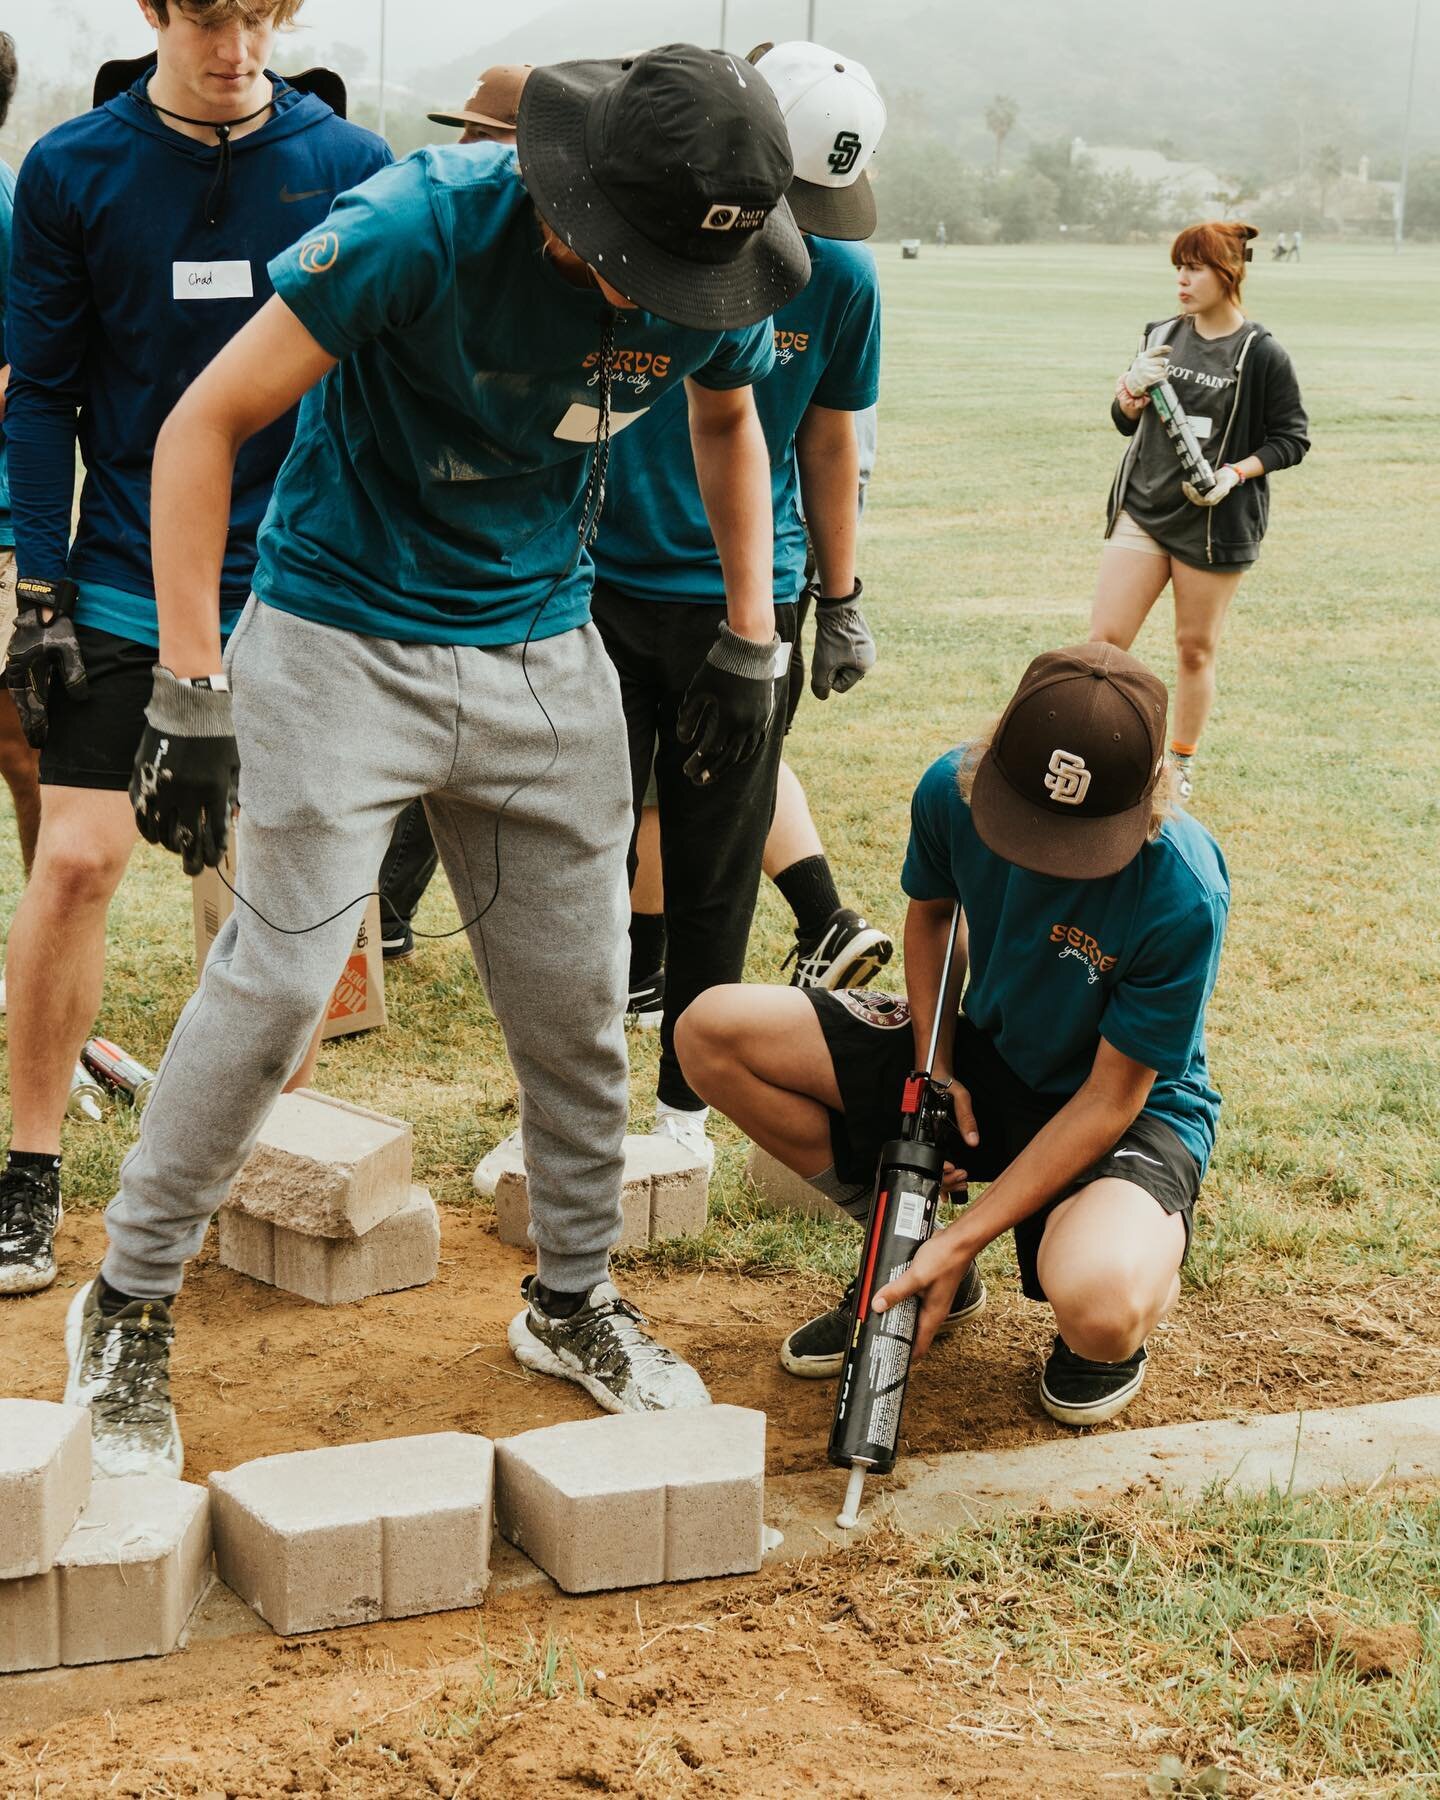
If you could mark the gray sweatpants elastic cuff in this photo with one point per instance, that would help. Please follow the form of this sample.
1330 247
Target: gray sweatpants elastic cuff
570 1274
149 1280
846 1195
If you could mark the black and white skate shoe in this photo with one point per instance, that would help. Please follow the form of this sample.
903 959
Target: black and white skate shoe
848 953
120 1369
816 1350
397 940
646 1007
1076 1391
604 1349
30 1215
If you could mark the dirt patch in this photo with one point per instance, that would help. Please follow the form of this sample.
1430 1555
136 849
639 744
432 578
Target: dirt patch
1309 1640
799 1681
257 1371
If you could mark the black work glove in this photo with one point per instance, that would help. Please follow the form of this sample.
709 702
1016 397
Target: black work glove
728 706
844 648
42 646
187 770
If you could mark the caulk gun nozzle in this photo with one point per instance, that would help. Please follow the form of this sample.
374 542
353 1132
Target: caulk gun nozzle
91 1109
849 1516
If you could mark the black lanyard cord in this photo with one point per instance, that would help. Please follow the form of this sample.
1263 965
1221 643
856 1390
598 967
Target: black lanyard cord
220 186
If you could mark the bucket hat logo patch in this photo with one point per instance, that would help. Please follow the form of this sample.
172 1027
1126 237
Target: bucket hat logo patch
726 216
1068 781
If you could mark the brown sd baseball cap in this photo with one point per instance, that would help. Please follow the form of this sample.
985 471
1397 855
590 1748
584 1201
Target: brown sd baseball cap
495 102
1066 785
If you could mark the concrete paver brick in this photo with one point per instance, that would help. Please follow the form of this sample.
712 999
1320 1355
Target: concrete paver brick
359 1532
402 1251
124 1583
325 1168
664 1193
44 1482
636 1498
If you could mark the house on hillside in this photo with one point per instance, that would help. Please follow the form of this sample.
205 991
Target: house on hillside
1188 187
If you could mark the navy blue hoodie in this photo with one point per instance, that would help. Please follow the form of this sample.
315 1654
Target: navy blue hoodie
109 230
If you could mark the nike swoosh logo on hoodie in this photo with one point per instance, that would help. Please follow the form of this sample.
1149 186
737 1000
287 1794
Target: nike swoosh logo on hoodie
289 199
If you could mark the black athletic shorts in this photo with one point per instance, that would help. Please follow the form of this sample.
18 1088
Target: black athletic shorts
872 1048
92 742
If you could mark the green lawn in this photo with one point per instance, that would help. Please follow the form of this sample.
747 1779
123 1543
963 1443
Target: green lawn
979 549
1318 777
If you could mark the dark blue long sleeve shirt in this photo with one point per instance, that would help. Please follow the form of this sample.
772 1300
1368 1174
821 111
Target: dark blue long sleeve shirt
120 294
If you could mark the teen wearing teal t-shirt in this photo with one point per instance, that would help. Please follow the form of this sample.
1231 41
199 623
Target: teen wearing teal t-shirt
419 630
1093 921
660 580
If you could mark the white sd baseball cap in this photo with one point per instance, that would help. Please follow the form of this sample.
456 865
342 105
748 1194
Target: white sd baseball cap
835 118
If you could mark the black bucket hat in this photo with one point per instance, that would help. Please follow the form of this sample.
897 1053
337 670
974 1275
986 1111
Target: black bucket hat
667 172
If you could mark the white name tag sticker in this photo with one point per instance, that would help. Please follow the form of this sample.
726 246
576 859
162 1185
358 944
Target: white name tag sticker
213 281
581 425
1201 427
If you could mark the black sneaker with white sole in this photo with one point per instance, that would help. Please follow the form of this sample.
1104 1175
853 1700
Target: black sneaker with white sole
120 1369
605 1349
646 1006
397 940
816 1350
848 953
1076 1391
30 1215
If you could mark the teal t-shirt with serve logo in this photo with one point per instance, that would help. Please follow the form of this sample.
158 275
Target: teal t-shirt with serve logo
438 473
1057 965
655 541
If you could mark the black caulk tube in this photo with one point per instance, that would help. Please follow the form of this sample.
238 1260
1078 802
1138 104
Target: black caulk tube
902 1215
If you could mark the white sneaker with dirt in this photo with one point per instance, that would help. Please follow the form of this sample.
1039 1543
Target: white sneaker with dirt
686 1129
120 1370
506 1155
30 1215
848 953
605 1349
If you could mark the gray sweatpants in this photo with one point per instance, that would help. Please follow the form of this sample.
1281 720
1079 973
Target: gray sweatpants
337 733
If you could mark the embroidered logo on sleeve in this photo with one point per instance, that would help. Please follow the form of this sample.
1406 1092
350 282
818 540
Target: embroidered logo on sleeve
1069 780
318 254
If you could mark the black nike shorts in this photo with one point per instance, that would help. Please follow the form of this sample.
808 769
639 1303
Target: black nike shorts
91 742
872 1049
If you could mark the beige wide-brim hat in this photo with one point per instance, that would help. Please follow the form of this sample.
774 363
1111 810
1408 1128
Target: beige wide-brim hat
495 102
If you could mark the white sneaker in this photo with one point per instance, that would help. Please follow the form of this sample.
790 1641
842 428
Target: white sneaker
686 1129
120 1369
605 1349
506 1158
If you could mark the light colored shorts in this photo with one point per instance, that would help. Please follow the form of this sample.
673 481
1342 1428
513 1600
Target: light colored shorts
1127 535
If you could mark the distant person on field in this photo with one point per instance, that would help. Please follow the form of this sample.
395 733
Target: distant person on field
1282 248
1075 1059
1239 388
19 763
940 238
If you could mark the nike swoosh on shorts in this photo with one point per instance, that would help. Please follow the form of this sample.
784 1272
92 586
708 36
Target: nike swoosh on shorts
1141 1154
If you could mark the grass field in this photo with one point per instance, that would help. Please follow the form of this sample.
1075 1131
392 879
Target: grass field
1318 777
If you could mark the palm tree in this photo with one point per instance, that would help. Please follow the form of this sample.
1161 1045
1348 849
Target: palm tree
1000 117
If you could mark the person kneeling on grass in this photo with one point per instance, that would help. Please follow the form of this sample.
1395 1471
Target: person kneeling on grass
1093 919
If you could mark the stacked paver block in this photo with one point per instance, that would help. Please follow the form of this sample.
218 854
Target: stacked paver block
91 1574
637 1498
325 1208
784 1189
665 1193
345 1536
44 1482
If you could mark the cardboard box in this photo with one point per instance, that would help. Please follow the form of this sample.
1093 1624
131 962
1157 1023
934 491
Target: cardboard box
358 1003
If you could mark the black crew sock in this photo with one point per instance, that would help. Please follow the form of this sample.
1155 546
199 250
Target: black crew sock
42 1161
647 946
555 1303
809 891
111 1301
